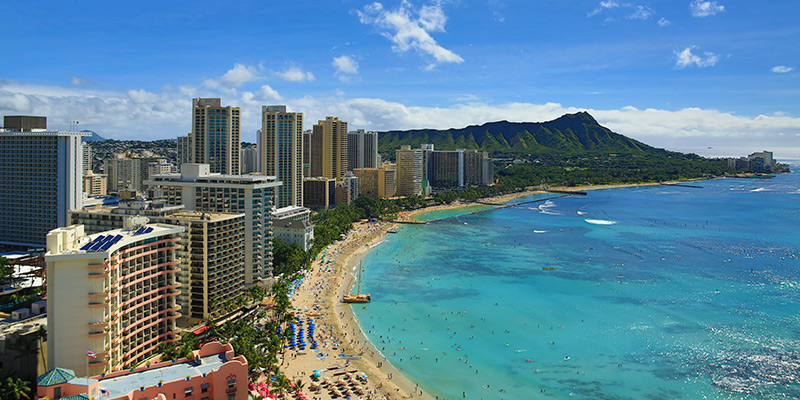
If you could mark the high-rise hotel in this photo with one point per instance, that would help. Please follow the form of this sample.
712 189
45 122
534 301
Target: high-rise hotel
41 179
252 195
113 294
362 149
280 152
215 135
329 149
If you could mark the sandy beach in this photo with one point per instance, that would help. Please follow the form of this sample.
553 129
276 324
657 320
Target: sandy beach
319 297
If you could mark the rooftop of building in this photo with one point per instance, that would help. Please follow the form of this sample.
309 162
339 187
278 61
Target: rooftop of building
122 385
288 211
134 205
41 132
70 242
204 216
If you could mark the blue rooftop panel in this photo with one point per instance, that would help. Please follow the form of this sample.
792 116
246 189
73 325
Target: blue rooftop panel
148 230
96 243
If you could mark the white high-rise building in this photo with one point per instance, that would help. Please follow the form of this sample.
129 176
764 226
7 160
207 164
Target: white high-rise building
41 179
252 195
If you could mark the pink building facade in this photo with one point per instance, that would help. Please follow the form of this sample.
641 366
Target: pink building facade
213 373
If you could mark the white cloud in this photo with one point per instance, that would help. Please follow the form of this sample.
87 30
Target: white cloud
782 69
663 22
148 115
604 5
80 81
615 11
235 77
268 93
345 65
686 58
705 8
295 74
641 13
408 31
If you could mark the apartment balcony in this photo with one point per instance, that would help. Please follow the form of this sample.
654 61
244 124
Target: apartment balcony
97 333
101 304
98 295
98 275
98 325
102 267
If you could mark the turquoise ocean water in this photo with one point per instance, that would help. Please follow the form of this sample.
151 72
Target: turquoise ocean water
654 293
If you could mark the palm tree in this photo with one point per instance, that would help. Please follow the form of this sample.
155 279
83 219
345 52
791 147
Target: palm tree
26 347
42 335
298 385
15 388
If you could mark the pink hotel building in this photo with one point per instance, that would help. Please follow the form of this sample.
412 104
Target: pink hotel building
112 294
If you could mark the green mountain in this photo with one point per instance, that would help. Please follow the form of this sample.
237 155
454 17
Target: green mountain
577 133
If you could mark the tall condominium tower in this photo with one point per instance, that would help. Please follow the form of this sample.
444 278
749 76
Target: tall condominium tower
215 135
280 149
362 149
249 160
307 153
111 293
87 156
329 148
409 171
185 149
41 179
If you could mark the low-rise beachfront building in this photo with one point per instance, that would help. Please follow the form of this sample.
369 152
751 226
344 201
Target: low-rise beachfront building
213 373
111 295
292 231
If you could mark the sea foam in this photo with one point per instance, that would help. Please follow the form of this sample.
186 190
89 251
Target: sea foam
600 221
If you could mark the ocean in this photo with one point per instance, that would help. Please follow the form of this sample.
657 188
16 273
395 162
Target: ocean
655 292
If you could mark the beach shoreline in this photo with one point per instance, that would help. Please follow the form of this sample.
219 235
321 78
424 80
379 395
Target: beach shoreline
332 275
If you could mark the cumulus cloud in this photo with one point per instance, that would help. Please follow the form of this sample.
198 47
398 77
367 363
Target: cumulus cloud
295 74
235 77
781 69
409 29
686 58
345 66
702 9
148 115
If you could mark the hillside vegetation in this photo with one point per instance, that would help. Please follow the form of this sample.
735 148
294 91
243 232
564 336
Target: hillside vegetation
577 133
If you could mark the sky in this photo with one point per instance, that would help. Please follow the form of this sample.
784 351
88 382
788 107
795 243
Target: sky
713 77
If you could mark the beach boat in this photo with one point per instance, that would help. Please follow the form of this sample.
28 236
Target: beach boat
358 297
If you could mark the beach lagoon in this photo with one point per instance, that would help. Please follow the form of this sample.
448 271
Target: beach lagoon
644 292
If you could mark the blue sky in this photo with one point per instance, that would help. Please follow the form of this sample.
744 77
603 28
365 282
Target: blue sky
680 74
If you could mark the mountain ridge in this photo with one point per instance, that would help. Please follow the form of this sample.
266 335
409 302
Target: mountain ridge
571 133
